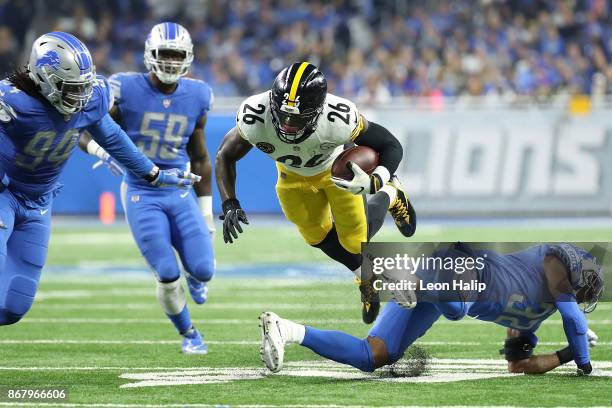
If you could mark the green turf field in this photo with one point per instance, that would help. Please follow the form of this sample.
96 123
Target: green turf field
105 339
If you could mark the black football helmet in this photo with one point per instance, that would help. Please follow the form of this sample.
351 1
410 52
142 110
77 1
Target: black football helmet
296 100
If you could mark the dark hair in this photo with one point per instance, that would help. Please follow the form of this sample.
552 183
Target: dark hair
22 81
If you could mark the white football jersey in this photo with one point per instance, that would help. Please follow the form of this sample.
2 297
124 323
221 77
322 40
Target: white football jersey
338 124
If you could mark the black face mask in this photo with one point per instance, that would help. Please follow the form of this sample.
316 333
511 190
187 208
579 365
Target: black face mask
76 94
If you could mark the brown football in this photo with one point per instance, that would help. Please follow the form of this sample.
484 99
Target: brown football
363 156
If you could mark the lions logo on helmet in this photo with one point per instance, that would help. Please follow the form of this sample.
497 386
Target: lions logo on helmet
62 67
168 52
297 99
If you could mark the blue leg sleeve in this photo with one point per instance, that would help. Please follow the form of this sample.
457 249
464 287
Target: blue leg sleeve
340 347
191 238
181 321
399 327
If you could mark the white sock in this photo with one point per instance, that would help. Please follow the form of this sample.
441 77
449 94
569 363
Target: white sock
390 191
357 272
291 331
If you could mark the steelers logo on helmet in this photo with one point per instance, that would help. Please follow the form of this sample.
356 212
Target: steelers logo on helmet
297 98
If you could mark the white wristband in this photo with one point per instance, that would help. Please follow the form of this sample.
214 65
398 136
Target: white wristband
205 203
95 149
383 173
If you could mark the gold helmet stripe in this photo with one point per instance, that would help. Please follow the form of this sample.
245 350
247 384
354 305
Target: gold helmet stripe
296 83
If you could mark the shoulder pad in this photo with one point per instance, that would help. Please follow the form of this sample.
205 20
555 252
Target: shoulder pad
117 82
251 114
105 92
342 117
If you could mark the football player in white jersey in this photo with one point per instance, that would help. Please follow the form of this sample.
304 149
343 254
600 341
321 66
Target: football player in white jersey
304 128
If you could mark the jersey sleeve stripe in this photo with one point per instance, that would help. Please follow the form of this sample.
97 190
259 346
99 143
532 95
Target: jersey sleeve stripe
358 128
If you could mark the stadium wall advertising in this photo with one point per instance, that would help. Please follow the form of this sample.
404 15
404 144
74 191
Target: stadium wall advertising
460 162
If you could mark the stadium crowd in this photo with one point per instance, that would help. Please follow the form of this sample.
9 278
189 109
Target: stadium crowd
371 50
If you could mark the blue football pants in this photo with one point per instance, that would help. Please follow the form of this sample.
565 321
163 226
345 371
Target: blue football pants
163 219
24 240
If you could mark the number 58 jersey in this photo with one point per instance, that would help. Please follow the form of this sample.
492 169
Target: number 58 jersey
338 124
159 124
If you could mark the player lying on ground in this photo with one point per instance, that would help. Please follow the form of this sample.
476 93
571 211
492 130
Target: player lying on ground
165 114
304 128
516 282
42 111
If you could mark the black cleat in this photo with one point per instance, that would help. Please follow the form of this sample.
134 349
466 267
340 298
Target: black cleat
370 303
402 211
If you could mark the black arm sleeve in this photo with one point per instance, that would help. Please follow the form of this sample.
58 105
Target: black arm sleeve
389 149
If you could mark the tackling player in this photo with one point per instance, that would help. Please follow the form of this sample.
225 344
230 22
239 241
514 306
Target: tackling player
165 114
304 128
42 110
516 284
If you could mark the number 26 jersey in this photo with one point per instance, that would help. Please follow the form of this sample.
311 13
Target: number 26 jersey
338 124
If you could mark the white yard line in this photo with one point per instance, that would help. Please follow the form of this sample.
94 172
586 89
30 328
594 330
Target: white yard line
196 405
251 342
95 320
222 306
212 305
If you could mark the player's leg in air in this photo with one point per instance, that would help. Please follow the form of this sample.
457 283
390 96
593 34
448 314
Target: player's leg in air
191 238
150 223
304 128
24 239
394 331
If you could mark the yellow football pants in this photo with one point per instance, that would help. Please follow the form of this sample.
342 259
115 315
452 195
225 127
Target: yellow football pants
311 202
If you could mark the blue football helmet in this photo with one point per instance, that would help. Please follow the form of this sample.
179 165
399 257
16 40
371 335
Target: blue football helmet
62 67
171 37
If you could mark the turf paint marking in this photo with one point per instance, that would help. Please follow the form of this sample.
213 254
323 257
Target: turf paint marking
197 405
241 322
250 342
440 371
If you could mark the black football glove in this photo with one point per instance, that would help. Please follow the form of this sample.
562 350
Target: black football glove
232 216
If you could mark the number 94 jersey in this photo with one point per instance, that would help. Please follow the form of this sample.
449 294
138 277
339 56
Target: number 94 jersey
338 124
159 124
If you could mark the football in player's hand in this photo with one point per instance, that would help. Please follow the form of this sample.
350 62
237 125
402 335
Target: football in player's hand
363 156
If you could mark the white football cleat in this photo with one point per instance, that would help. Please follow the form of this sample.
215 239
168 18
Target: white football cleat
272 349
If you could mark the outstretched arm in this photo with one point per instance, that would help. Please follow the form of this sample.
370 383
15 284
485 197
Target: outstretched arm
232 149
200 164
574 321
107 133
89 146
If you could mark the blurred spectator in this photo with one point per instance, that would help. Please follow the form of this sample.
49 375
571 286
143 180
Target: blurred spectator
369 49
8 51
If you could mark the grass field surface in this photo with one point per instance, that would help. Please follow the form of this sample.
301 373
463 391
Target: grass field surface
104 338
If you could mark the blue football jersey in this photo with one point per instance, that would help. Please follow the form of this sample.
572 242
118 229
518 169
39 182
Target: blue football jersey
36 140
159 124
517 292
